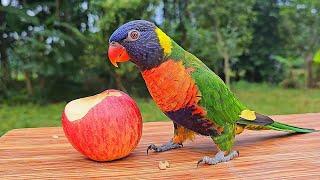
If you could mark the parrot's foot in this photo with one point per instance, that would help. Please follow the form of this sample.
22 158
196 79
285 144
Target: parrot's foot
165 147
218 158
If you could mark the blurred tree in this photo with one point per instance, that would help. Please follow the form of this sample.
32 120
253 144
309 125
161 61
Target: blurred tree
56 42
176 20
110 15
316 61
223 29
292 71
51 31
316 57
300 25
258 63
51 45
13 22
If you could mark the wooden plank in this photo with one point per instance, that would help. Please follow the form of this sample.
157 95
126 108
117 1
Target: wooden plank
35 153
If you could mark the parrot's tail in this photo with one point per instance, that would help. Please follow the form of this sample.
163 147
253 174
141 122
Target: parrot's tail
262 122
285 127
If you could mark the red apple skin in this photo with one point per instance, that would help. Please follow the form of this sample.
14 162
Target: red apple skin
110 130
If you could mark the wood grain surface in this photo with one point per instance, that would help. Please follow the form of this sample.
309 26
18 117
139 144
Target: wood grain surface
45 153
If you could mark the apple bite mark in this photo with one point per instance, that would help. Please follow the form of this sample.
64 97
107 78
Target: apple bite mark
78 108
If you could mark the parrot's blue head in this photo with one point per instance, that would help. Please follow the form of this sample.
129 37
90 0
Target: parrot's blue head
141 42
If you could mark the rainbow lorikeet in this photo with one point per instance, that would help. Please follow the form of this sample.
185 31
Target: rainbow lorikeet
187 91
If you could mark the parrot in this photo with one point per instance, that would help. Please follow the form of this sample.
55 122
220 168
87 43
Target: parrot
187 91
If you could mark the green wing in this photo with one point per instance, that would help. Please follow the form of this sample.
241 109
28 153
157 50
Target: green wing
220 103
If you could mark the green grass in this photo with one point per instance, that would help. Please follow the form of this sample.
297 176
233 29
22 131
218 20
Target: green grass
262 98
33 115
268 99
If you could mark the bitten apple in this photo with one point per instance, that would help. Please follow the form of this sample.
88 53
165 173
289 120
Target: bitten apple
103 127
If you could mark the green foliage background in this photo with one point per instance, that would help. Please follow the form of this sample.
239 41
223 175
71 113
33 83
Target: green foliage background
53 51
56 50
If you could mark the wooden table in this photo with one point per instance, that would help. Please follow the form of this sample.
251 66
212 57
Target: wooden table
45 153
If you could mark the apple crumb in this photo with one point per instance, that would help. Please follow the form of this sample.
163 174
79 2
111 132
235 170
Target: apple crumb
163 165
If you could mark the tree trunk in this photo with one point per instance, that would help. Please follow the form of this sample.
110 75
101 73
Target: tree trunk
309 76
165 13
42 82
28 83
4 61
5 68
58 5
222 49
227 69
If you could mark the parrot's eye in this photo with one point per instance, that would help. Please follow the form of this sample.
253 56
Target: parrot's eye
133 35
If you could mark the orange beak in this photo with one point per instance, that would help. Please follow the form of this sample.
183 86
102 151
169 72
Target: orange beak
117 53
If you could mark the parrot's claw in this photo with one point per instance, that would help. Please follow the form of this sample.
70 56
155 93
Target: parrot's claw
218 158
164 147
200 161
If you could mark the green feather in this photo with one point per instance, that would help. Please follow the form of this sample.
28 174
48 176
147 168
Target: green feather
222 107
285 127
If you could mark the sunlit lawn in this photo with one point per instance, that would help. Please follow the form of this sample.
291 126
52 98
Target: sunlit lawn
263 98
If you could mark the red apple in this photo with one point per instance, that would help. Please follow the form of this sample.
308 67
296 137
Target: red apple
103 127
